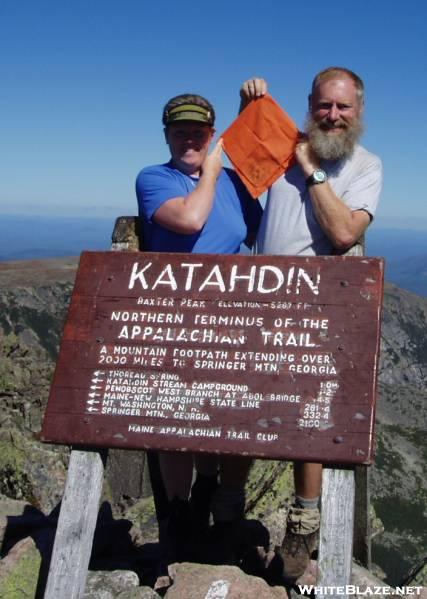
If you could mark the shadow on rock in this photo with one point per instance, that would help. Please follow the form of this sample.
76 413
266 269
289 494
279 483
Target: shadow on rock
117 544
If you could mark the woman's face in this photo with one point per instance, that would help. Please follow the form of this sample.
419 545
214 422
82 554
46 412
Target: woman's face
188 143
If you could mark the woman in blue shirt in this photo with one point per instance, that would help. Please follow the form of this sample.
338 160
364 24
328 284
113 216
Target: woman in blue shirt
193 204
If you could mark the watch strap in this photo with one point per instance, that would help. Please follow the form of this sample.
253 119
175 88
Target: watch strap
316 180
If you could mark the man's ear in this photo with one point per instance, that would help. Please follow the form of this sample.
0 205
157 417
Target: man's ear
165 131
309 102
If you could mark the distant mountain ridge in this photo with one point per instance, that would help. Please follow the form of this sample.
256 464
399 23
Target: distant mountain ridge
31 238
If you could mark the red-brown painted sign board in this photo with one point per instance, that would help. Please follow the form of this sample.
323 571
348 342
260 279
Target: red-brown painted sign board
267 356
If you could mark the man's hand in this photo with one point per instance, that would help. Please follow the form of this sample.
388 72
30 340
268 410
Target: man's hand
212 164
306 158
251 90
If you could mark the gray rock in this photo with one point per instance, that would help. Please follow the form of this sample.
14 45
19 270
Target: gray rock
139 593
108 585
197 581
19 570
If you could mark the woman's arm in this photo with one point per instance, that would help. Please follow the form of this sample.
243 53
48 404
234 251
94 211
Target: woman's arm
188 214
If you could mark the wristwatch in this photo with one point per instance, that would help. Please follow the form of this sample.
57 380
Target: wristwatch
318 176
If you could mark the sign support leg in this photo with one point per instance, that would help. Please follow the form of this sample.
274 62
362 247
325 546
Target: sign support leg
76 525
336 527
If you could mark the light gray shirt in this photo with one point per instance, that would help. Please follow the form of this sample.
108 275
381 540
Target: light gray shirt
289 226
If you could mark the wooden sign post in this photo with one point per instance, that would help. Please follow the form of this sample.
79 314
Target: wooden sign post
223 354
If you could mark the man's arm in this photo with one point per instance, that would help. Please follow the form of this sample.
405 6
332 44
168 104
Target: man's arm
188 214
251 90
342 225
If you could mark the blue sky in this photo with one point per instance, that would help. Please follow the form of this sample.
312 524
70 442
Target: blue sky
83 84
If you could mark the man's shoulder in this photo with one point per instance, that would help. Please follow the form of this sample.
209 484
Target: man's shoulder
361 154
361 163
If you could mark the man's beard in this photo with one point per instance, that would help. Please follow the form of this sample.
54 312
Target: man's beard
334 146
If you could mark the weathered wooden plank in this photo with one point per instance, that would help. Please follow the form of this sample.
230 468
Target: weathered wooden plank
336 528
362 525
76 526
361 542
337 280
104 431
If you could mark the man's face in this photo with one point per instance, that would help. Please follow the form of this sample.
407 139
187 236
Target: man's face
188 143
334 123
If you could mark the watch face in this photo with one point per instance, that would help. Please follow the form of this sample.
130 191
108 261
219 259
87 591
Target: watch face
319 176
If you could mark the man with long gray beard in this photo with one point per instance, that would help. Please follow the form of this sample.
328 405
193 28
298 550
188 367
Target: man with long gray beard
321 206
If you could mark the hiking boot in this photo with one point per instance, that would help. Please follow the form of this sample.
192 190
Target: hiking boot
298 546
296 552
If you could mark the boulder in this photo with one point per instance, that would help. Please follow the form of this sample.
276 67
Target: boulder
109 585
19 570
199 581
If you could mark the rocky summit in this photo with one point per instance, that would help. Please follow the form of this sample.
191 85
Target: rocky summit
33 301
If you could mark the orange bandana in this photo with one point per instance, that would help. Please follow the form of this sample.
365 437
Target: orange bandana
260 143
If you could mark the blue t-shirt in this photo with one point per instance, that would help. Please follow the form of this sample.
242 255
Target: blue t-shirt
234 213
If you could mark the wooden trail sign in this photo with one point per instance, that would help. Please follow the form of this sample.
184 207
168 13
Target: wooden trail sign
268 356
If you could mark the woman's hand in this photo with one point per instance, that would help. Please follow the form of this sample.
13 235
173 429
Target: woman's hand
212 164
